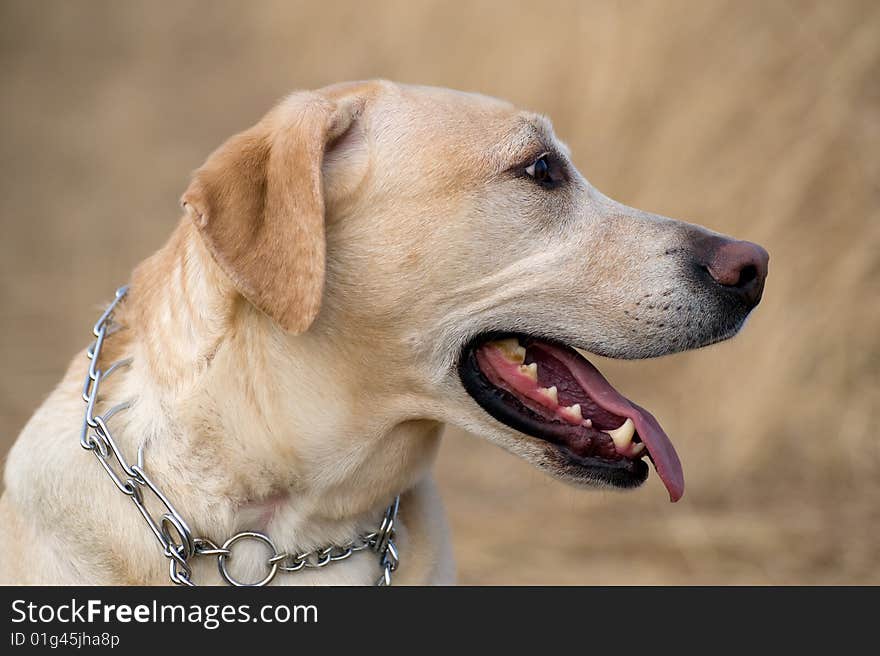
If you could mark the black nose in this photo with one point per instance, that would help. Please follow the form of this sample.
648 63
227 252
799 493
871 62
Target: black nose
740 267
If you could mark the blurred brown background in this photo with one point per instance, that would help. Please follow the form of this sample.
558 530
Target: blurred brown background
760 119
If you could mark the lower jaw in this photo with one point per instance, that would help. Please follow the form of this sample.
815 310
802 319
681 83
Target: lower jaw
574 469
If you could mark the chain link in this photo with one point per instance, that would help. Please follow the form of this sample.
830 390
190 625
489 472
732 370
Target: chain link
171 531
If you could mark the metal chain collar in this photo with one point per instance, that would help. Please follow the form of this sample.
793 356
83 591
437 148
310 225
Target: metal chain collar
171 530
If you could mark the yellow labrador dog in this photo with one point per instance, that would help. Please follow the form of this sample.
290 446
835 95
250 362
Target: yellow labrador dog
367 263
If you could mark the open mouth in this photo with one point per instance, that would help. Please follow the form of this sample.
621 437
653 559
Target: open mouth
550 392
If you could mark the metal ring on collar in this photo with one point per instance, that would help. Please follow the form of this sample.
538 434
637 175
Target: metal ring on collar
221 559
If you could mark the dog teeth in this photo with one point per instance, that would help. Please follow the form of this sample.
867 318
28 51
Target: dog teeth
588 423
637 449
573 413
529 370
511 349
622 436
550 393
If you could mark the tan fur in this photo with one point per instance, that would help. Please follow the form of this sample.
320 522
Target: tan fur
294 342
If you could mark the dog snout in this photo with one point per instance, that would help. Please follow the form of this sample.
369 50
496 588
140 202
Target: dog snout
739 267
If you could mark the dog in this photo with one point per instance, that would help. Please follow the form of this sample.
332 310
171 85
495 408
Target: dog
367 263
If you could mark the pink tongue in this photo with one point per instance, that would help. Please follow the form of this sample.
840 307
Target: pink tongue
662 452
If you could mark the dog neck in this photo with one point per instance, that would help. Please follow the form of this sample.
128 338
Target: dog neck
301 437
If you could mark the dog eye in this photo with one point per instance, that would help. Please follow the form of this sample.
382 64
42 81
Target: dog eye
539 170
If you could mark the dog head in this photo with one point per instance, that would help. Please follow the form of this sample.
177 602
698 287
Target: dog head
448 248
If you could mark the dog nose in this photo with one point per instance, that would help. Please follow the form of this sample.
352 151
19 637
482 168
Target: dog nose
738 266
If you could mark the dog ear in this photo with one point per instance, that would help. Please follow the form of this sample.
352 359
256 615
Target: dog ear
258 202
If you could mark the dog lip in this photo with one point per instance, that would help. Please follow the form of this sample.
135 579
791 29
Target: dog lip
600 391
